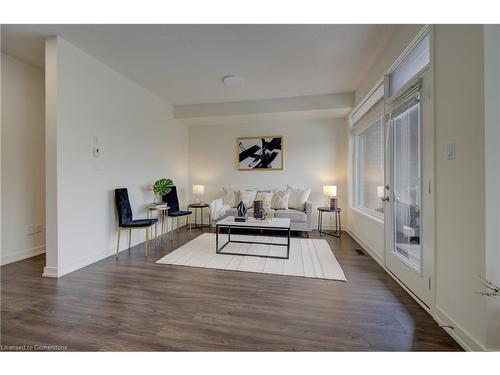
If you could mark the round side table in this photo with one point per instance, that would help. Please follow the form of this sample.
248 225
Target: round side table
195 207
336 212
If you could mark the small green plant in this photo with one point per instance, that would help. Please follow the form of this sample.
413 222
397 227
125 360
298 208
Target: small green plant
162 187
491 289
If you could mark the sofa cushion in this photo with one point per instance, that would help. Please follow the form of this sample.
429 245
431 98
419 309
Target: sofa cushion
264 196
247 197
298 197
279 200
292 214
231 212
230 197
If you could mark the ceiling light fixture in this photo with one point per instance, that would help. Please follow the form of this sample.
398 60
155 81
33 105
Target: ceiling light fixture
232 80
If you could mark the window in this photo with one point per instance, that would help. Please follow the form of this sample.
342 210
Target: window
369 168
416 60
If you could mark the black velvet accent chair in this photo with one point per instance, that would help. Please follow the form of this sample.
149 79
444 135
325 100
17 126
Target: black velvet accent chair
127 222
172 200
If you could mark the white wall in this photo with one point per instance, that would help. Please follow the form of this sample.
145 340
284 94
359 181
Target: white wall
460 183
51 153
23 187
492 172
139 141
314 155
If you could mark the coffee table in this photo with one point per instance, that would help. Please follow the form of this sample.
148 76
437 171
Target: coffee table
282 224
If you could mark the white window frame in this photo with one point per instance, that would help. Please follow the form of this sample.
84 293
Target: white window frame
355 183
365 105
388 98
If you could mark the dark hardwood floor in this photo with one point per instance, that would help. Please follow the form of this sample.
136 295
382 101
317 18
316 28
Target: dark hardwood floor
134 304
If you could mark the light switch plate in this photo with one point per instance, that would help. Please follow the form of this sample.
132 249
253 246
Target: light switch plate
450 151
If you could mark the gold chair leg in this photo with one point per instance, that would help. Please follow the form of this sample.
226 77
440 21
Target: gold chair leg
166 226
118 242
129 239
171 230
147 240
177 228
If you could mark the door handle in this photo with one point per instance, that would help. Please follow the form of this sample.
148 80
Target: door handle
385 199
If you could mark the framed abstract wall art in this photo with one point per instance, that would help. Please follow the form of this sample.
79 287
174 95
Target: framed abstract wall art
260 153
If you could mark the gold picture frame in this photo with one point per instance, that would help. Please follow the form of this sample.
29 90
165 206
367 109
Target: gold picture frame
259 153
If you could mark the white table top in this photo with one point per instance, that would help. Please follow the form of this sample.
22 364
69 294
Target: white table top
276 222
157 206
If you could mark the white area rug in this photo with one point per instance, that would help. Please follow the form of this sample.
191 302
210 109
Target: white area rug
311 258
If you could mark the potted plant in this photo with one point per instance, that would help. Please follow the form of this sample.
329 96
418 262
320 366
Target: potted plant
160 188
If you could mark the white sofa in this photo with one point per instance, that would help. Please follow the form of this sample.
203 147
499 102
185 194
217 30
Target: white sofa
299 220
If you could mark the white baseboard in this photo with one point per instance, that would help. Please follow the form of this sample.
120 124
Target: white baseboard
380 261
97 256
87 260
50 272
460 335
365 247
20 255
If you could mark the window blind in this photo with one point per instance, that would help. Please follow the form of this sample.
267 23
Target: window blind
395 106
415 61
370 117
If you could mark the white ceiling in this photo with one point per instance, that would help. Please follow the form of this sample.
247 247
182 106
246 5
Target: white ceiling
185 63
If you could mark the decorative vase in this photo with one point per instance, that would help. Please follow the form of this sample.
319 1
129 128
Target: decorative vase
333 203
242 210
258 210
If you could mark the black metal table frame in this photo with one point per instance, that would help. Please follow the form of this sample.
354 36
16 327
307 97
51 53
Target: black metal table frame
338 229
229 226
196 206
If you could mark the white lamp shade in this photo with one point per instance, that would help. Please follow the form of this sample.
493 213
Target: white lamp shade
330 190
380 191
198 189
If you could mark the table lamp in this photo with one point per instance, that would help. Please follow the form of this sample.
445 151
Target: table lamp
198 190
331 192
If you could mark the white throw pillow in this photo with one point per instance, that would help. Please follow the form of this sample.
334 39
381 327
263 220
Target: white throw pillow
247 197
264 196
230 197
279 200
298 197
